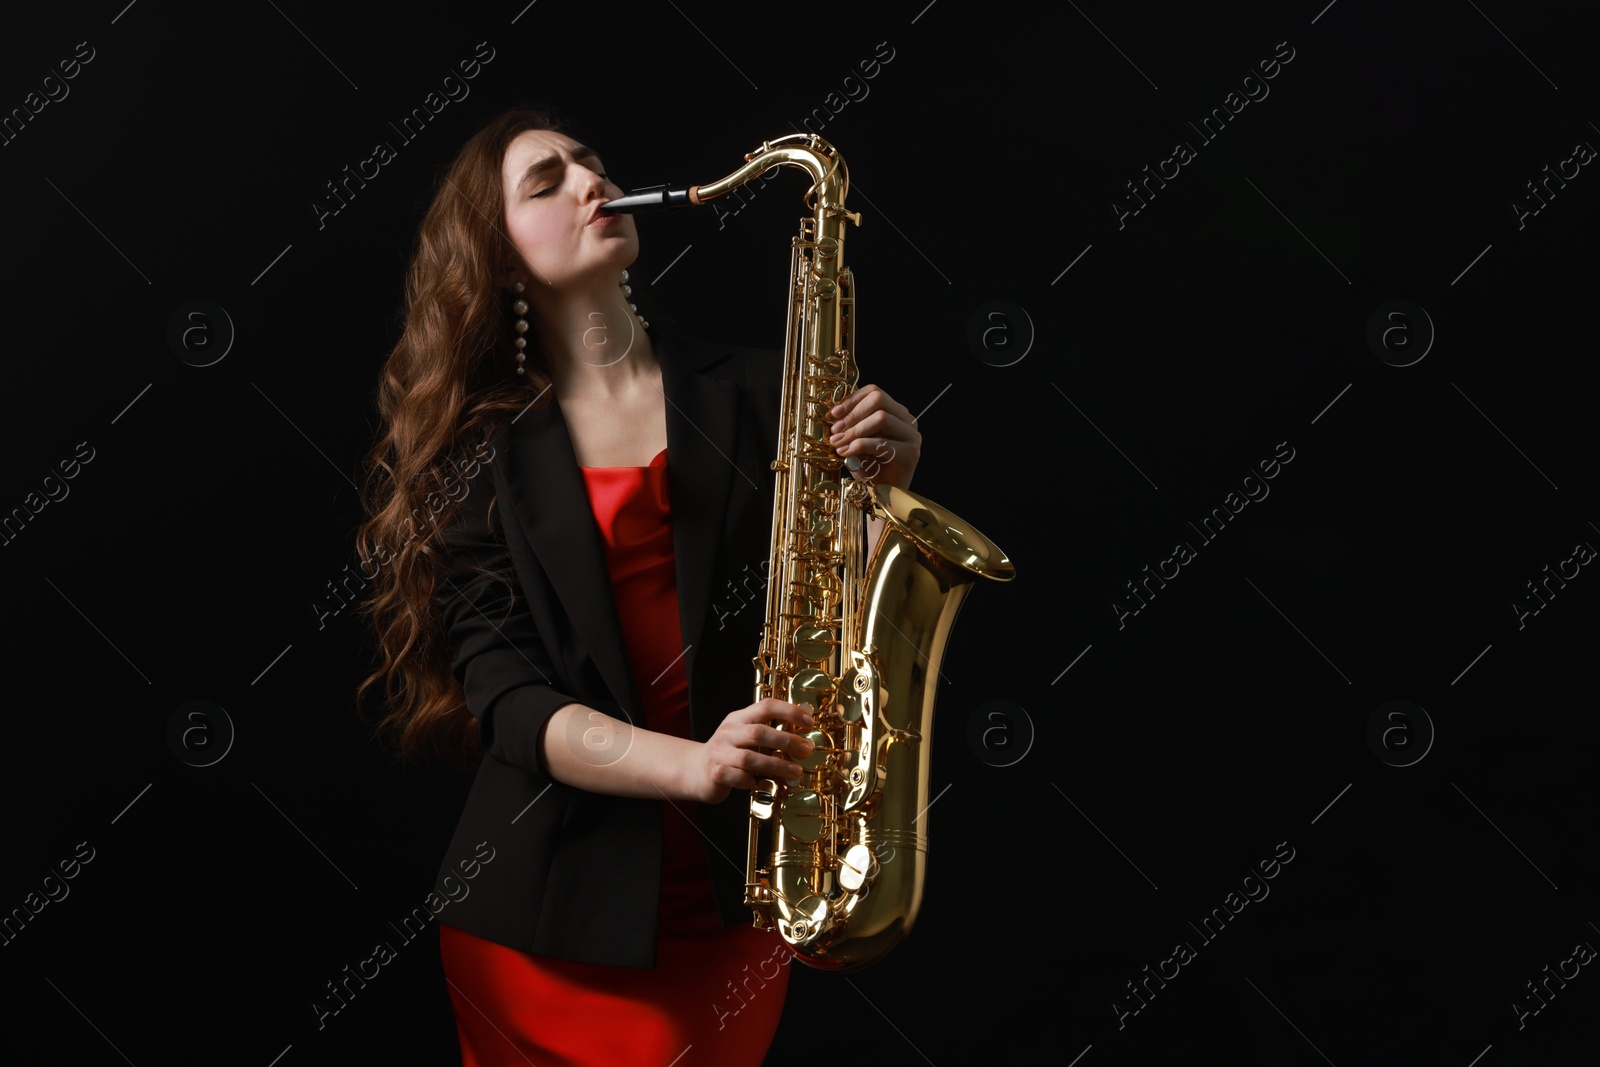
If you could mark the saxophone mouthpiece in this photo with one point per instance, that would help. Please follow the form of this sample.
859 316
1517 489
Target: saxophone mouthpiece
651 198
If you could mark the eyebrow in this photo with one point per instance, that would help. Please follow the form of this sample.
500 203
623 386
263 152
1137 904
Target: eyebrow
551 162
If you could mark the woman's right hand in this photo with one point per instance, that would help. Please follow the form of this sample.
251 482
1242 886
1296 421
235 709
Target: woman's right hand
734 756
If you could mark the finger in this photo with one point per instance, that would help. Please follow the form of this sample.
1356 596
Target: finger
778 767
752 767
880 423
794 714
882 401
878 452
734 778
882 462
861 402
794 744
867 394
870 399
843 406
866 430
792 773
772 708
757 737
764 709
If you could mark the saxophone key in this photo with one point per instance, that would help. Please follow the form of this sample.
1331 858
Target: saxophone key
801 816
809 918
761 801
856 867
814 644
817 758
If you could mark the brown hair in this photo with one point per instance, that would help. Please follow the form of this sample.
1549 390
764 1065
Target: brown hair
449 378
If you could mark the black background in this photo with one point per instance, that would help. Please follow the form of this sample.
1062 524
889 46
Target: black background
1182 346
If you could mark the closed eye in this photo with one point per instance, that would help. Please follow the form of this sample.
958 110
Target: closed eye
553 188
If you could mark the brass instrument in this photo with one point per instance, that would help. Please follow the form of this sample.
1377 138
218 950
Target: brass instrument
837 860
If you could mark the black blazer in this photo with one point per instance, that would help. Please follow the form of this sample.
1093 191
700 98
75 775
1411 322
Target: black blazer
576 875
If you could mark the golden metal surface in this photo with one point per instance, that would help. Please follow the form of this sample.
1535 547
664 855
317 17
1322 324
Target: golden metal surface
836 862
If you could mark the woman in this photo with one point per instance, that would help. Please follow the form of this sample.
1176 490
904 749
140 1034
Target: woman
586 487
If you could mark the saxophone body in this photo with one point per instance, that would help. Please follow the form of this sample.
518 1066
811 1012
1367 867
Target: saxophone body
836 861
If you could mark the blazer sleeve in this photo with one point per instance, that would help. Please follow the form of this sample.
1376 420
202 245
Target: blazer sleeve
496 653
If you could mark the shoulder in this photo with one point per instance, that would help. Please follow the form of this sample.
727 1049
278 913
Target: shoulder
753 368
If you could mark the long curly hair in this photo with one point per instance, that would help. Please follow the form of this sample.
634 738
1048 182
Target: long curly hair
446 382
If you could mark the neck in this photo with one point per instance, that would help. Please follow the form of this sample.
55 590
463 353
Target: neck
594 341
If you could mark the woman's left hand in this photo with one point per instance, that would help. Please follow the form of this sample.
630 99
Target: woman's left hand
873 426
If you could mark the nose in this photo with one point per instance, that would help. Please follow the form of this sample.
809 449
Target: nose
594 185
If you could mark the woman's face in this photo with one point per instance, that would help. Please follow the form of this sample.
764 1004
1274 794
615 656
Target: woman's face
553 186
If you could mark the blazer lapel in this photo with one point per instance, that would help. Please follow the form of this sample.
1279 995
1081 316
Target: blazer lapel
551 501
702 412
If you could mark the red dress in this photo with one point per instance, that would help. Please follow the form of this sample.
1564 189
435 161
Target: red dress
716 992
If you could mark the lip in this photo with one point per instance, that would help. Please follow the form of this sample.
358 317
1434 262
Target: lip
598 216
605 220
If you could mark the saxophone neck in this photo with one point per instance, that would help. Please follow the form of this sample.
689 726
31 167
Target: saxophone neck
830 180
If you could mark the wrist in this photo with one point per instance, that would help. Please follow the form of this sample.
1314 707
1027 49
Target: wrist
688 777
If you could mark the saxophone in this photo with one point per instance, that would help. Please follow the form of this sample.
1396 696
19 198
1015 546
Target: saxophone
836 861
